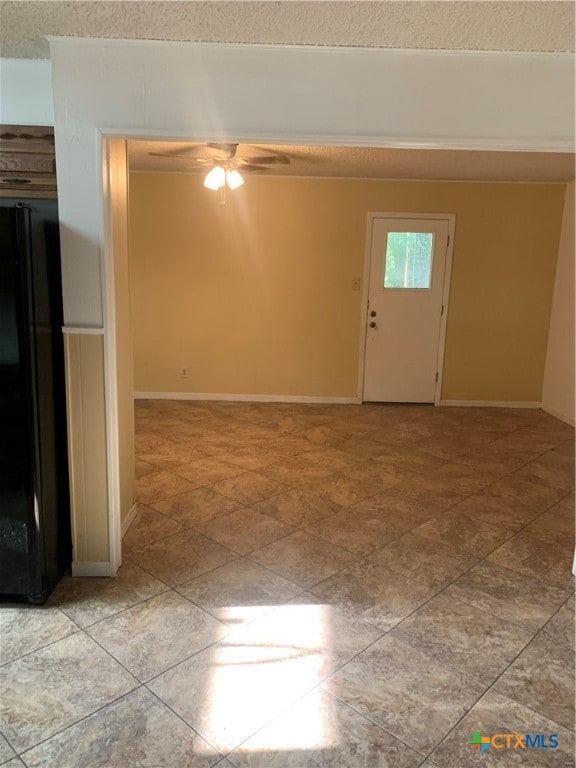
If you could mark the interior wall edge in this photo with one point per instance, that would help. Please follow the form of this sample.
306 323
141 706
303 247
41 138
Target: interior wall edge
568 418
129 519
558 385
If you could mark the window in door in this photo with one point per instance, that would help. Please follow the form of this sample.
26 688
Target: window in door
408 261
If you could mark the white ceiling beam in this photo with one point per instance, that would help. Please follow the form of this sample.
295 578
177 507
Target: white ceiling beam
346 96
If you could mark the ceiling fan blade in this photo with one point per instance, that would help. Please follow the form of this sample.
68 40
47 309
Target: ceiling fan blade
252 168
181 157
265 160
184 149
228 149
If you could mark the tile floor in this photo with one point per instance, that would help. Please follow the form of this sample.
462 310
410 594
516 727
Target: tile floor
312 586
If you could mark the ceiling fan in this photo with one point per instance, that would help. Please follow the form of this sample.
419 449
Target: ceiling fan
225 162
226 155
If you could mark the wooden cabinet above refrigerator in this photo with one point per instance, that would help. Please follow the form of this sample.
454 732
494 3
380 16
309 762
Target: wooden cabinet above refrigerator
27 161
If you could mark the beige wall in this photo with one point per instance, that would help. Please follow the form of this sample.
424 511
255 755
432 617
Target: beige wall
558 391
84 355
256 297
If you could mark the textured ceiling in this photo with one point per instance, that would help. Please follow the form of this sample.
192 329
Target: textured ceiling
375 163
484 25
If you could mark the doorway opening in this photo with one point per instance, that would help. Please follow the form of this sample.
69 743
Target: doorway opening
299 284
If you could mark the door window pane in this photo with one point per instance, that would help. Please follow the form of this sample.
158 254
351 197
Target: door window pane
408 260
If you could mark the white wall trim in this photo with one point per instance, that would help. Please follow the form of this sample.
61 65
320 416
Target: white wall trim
129 519
353 140
466 71
558 414
117 42
103 568
491 403
372 215
83 329
107 277
245 398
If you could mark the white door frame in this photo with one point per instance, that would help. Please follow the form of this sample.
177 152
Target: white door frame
451 219
108 287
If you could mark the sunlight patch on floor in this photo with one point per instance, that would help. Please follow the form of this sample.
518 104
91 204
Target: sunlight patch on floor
260 670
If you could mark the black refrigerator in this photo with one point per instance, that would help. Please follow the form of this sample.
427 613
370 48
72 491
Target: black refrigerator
35 542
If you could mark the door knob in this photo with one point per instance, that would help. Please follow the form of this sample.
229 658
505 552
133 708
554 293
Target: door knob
372 324
373 314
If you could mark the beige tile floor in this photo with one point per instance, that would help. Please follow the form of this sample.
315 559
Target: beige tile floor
313 586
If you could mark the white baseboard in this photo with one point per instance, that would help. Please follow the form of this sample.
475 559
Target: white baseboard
246 398
558 414
129 519
492 403
92 569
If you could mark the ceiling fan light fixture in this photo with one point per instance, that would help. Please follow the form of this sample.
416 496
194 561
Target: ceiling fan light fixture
216 178
234 179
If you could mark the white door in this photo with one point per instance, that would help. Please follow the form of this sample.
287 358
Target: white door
406 285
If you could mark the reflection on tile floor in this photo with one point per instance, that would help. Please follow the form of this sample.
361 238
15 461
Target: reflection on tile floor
313 586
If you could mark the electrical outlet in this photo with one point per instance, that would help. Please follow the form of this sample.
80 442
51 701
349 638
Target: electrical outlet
356 284
184 373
